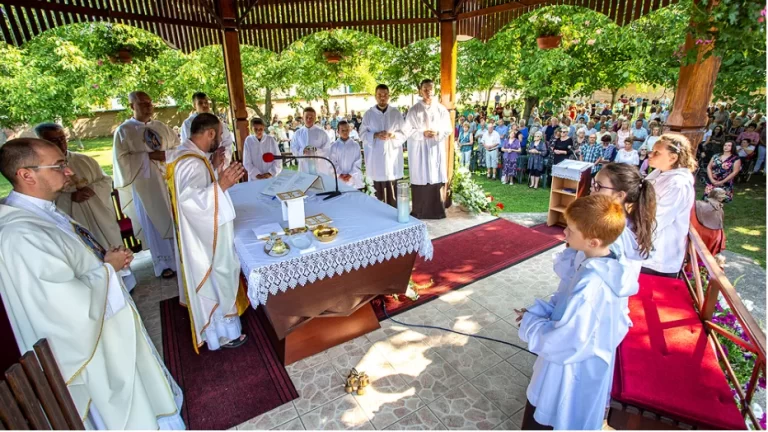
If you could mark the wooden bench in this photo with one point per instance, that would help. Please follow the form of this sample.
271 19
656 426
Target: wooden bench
34 395
671 370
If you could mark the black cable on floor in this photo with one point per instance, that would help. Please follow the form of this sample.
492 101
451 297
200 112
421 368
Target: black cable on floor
384 308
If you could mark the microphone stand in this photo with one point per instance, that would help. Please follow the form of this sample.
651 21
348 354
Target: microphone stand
330 194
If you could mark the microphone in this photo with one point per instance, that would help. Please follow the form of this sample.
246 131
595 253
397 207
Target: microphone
271 157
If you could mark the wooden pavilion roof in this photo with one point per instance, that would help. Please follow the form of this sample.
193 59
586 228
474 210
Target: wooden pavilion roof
275 24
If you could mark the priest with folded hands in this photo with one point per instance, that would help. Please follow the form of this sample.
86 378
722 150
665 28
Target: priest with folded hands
255 147
345 155
57 282
209 271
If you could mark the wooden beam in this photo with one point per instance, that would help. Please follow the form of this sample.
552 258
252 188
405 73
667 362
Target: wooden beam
448 56
339 24
234 71
432 8
105 13
502 8
248 10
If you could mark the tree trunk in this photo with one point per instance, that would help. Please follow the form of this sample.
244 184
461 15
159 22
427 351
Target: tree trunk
614 92
531 102
268 105
259 113
488 97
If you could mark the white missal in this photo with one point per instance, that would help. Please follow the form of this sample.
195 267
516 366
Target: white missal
289 180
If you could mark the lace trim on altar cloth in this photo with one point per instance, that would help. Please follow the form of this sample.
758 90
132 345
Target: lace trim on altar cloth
289 274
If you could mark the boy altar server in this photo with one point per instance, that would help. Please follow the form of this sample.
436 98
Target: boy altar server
311 136
255 147
57 282
202 104
138 158
382 135
427 126
576 333
209 272
345 155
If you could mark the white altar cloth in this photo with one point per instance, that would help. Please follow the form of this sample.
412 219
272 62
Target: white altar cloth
369 233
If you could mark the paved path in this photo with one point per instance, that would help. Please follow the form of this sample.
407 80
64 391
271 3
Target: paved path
749 279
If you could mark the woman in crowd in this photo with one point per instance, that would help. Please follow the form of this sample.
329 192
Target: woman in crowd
643 161
466 141
707 218
674 162
562 148
480 153
537 151
623 133
580 141
721 171
510 151
651 140
628 155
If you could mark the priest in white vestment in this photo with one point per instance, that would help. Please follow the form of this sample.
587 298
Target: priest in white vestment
383 139
255 147
427 126
209 273
345 155
88 199
202 104
311 137
58 283
139 150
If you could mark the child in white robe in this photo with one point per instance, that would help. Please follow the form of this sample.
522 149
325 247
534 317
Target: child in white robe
255 147
576 333
345 155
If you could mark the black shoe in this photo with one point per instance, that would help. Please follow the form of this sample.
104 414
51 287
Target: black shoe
237 342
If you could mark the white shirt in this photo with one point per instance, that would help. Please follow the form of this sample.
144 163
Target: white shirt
226 136
312 137
427 156
331 134
345 155
674 200
383 158
253 150
628 157
491 139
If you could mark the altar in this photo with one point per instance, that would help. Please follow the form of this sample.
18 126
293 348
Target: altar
317 298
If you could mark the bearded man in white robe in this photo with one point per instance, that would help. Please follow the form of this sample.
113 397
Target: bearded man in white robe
139 150
308 138
345 155
57 282
202 104
209 276
382 135
88 200
254 149
427 126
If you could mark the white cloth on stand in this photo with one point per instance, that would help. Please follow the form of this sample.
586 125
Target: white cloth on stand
253 151
163 250
427 161
384 159
345 155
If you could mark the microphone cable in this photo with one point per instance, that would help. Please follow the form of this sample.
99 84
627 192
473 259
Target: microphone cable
384 309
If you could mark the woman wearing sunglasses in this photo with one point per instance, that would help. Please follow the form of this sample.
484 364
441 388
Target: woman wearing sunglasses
674 162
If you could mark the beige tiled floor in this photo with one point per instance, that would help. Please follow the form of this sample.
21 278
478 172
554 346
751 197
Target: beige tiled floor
420 378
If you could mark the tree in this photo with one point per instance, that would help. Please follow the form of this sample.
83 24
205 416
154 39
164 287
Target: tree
405 68
488 62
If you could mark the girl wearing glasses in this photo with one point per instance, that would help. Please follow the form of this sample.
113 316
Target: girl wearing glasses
674 163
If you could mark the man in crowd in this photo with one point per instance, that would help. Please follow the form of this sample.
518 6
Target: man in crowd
139 150
202 104
88 198
554 125
639 134
59 283
427 126
491 141
254 148
592 151
308 138
382 135
209 277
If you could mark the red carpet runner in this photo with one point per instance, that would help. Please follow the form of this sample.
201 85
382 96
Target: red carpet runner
555 231
467 256
227 387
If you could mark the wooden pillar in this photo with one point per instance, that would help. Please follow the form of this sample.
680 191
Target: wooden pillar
694 91
234 71
448 55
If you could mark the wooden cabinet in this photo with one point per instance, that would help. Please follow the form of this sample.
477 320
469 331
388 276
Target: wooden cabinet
565 190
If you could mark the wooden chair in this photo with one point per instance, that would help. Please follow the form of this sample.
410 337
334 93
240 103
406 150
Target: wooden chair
34 395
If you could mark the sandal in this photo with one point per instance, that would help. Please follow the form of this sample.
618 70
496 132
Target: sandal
168 274
237 342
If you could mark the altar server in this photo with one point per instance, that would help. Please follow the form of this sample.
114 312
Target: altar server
576 332
255 147
88 199
202 104
311 136
427 127
345 155
58 283
139 150
382 135
209 276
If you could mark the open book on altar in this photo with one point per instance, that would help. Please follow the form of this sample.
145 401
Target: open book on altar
289 180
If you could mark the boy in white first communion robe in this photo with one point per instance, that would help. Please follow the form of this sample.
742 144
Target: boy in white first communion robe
345 155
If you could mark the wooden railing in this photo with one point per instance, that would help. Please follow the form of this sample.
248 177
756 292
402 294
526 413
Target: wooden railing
705 296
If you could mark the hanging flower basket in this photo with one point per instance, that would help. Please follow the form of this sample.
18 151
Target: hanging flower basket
549 42
121 56
332 57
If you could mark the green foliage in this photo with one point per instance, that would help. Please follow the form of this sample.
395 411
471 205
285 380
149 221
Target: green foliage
545 22
403 69
488 62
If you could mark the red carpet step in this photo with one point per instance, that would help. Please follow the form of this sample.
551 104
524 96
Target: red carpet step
224 388
468 256
555 231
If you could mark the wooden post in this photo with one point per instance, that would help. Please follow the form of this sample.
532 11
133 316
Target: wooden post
448 55
234 71
694 91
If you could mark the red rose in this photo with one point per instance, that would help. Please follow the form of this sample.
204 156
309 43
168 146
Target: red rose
500 206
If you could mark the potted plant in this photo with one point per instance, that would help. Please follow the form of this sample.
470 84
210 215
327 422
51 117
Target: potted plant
122 55
470 196
334 49
547 29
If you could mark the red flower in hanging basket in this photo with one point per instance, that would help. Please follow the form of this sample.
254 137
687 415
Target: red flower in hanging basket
549 42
